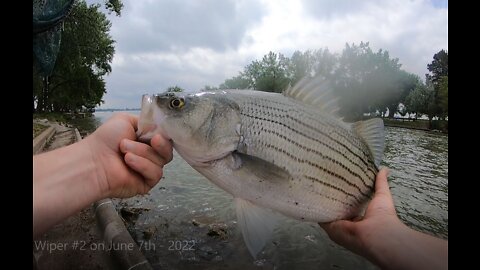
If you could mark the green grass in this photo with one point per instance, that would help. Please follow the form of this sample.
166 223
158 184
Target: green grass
38 129
54 117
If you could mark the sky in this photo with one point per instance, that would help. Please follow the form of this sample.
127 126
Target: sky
193 43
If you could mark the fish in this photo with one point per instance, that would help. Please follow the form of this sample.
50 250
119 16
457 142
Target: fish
286 153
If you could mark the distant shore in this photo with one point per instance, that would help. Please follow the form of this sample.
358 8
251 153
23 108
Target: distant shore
85 126
420 124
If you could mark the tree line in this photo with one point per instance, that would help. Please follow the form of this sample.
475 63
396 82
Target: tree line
366 81
83 59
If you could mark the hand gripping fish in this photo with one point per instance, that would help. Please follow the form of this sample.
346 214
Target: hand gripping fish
287 153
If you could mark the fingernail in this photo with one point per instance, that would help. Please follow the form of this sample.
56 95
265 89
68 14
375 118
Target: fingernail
128 145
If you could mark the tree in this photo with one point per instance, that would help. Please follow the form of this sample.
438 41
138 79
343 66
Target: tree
237 82
114 6
421 100
368 81
438 68
439 78
174 89
300 65
365 81
270 75
210 88
325 63
85 54
442 97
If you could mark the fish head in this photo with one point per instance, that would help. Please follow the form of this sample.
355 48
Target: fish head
203 127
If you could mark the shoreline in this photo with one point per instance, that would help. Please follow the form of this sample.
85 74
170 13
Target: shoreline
440 126
86 126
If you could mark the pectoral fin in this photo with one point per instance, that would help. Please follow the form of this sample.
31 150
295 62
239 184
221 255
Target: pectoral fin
259 167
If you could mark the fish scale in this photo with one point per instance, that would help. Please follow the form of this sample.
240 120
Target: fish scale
267 125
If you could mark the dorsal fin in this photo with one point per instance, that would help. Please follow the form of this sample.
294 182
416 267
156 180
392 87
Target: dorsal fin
315 91
372 131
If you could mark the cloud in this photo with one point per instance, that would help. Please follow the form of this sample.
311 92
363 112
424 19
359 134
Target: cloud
169 25
198 43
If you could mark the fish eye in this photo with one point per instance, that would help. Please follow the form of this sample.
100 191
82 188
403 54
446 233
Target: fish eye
176 103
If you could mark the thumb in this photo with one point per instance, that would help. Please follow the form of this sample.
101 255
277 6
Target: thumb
381 183
340 231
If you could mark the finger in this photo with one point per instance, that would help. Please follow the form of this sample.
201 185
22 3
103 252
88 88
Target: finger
133 119
340 231
381 183
357 218
163 147
150 171
141 149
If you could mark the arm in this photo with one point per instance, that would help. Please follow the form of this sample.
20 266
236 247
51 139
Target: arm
381 237
108 163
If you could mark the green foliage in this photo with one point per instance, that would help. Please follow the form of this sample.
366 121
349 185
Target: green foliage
174 89
114 6
209 88
38 129
37 86
365 81
421 100
442 97
270 74
438 68
439 78
238 82
85 55
368 81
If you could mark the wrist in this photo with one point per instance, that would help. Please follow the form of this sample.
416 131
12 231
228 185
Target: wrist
95 158
64 182
384 248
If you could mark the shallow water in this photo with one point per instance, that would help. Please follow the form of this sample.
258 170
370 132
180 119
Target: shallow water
184 207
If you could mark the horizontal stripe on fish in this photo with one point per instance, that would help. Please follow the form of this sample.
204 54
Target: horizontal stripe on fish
331 159
354 141
332 173
256 108
320 142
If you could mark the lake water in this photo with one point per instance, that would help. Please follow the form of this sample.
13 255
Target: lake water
184 207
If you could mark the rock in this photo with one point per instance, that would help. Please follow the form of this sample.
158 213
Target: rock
218 230
149 232
207 253
196 223
202 221
131 214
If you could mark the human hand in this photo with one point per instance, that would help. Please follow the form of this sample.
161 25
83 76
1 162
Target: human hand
381 237
124 166
361 234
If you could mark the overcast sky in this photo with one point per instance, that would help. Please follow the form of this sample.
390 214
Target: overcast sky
193 43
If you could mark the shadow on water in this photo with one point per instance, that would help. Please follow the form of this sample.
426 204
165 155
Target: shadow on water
185 222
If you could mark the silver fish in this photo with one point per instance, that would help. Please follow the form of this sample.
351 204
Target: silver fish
274 153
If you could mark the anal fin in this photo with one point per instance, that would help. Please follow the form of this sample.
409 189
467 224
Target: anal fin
256 223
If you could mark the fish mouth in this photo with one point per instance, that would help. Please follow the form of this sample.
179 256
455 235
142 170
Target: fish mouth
149 117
